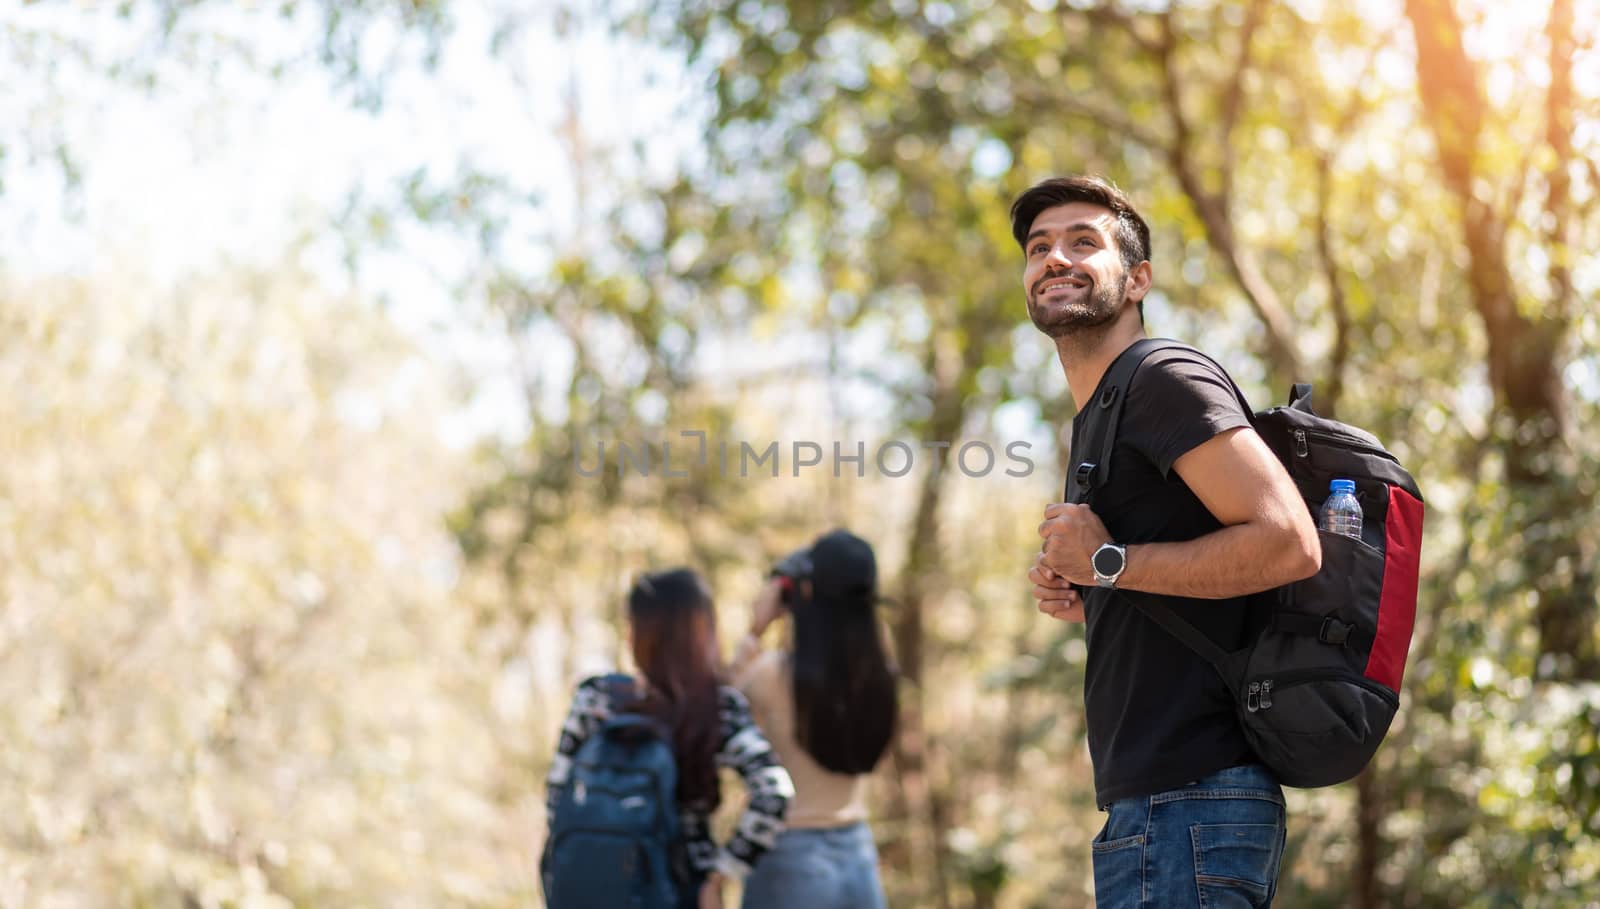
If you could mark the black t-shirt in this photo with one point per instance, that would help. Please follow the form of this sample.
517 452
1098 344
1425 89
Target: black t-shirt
1158 714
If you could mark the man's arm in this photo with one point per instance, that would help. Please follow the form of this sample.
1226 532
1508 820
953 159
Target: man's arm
1267 539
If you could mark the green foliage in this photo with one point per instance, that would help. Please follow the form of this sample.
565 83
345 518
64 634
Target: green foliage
268 644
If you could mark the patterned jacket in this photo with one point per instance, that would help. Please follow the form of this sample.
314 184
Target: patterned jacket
743 748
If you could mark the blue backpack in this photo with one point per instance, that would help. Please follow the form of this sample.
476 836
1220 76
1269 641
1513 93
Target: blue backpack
614 831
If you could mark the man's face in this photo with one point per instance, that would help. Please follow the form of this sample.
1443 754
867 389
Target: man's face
1074 276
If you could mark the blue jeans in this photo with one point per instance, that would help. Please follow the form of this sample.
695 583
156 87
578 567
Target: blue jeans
1214 843
828 868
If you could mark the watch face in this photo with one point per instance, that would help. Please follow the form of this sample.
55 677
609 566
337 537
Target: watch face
1107 561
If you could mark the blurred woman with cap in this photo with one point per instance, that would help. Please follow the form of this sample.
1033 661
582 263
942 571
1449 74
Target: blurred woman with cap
828 705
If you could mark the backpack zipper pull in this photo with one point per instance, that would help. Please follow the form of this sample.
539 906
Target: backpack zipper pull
1266 694
1300 447
1252 701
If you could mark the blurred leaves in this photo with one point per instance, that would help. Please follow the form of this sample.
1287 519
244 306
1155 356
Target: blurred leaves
269 644
218 521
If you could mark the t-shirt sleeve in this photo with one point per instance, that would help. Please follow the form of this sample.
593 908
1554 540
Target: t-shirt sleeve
1181 404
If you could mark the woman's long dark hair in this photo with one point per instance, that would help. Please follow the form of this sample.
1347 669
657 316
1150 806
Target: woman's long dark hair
844 689
675 645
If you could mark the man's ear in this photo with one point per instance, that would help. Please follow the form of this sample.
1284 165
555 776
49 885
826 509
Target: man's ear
1140 277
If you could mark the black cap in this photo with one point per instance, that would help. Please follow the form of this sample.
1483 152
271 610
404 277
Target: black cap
843 566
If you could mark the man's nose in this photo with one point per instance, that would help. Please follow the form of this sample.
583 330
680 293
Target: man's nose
1058 256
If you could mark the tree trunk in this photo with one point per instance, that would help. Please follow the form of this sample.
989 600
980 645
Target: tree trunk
1369 814
915 802
1525 351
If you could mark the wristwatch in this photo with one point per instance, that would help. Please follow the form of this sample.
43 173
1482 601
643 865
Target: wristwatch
1109 561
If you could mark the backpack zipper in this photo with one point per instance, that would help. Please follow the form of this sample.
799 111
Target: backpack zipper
1259 695
1302 448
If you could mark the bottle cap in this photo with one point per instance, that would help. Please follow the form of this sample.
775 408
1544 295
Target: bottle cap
1343 486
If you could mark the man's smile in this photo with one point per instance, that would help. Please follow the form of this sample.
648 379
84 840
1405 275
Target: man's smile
1062 282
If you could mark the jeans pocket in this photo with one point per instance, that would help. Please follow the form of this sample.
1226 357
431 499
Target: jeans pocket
1118 870
1235 864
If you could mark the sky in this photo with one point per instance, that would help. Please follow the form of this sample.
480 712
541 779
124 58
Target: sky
220 163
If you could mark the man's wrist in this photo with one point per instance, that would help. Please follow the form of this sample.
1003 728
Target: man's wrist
1108 562
1130 578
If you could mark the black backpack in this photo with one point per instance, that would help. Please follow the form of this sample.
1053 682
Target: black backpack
1317 688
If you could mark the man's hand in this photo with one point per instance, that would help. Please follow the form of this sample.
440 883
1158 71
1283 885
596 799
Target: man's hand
1056 597
1071 535
711 892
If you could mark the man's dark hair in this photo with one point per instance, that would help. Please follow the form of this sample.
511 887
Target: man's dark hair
1132 234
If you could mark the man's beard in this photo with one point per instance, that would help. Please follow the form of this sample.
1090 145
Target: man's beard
1096 309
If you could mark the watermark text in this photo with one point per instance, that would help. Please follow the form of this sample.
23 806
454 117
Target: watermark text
695 452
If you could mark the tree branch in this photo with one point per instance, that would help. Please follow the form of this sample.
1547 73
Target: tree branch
1111 16
1559 122
1165 58
1114 120
1336 298
1355 107
1212 209
1233 98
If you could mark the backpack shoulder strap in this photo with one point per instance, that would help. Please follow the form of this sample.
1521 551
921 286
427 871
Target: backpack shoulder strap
625 724
1105 416
1175 625
1100 439
620 688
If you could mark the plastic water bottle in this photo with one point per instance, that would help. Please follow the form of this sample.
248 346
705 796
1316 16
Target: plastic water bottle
1341 514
